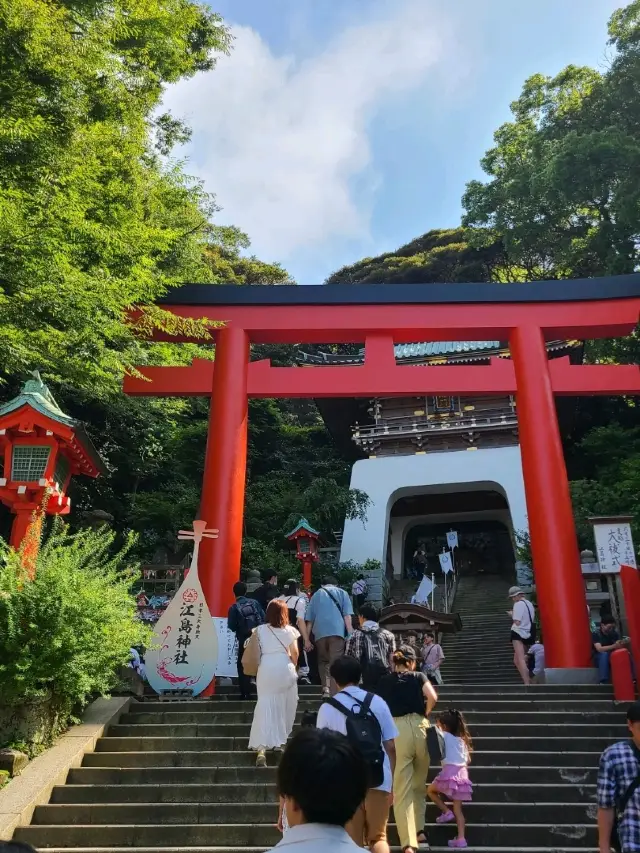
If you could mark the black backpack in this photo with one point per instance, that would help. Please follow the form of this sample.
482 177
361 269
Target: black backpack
248 617
364 732
373 661
624 802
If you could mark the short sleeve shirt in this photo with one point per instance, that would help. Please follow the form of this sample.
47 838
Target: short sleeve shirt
350 697
402 691
327 609
619 766
604 639
522 612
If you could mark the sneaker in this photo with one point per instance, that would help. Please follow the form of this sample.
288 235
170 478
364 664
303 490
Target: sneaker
304 680
261 760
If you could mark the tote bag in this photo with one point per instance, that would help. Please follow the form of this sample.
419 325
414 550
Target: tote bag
251 654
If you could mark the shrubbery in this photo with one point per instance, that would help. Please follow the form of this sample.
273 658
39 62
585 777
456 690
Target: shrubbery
65 633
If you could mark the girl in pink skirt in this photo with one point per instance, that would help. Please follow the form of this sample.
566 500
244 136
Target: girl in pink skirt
453 780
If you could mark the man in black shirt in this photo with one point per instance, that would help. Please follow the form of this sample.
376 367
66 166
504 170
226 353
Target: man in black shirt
269 589
605 640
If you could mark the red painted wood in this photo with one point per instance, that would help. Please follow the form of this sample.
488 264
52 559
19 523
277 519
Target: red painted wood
630 579
621 676
223 486
379 376
589 379
556 559
295 324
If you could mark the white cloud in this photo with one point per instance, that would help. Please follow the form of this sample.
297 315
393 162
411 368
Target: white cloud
279 139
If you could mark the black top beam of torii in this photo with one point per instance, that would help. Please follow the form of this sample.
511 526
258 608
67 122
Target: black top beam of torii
562 290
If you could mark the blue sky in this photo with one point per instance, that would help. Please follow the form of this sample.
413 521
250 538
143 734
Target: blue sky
339 129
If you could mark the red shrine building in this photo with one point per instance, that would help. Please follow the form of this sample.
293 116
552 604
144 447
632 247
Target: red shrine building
527 317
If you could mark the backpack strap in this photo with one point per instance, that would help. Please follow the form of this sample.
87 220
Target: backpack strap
364 705
633 787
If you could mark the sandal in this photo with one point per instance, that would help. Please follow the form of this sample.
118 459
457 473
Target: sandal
445 817
457 842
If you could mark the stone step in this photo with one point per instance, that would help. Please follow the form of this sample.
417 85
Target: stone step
564 690
118 774
265 792
525 702
527 715
243 835
481 743
435 849
115 814
245 758
241 730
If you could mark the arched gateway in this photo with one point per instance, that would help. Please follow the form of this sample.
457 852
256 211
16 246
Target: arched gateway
524 315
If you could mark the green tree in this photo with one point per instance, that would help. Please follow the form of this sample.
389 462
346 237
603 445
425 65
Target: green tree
441 255
92 220
563 192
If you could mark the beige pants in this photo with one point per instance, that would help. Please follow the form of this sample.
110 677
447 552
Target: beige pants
328 649
369 823
410 777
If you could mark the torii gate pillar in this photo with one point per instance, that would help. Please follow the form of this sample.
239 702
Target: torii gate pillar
225 468
556 559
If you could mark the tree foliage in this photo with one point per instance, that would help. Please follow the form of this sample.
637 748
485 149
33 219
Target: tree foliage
441 255
65 633
563 192
91 219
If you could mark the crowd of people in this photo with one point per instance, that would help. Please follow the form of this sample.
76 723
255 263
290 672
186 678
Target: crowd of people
378 698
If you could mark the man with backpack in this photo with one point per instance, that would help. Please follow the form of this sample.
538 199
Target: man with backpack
619 791
367 722
244 615
373 646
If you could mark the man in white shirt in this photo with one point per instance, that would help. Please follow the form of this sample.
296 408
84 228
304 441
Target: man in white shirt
369 824
523 615
322 781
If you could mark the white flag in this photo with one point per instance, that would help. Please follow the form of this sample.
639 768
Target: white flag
424 591
445 562
452 539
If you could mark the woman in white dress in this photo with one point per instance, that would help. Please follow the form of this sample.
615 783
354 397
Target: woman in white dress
277 682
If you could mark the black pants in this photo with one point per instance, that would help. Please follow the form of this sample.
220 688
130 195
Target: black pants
244 681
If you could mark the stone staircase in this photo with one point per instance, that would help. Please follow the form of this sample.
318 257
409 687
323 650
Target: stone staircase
482 652
178 776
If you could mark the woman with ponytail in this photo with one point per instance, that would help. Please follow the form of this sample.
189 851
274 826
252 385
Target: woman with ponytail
411 698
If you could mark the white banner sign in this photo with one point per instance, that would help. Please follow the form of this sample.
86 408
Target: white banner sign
445 562
424 591
227 664
452 539
614 547
184 648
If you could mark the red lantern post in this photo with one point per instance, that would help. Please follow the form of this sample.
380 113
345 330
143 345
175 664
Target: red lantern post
306 539
41 448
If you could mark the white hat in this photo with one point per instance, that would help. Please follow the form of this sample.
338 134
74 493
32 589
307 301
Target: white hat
513 591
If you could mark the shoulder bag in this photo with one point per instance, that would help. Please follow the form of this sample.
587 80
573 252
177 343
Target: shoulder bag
252 654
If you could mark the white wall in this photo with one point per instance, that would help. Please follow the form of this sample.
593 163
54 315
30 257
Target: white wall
389 478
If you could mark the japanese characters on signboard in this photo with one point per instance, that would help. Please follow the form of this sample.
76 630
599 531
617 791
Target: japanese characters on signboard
227 664
184 649
614 546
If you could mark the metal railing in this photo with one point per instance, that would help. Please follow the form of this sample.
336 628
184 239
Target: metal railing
490 419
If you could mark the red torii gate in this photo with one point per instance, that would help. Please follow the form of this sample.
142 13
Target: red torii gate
524 314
